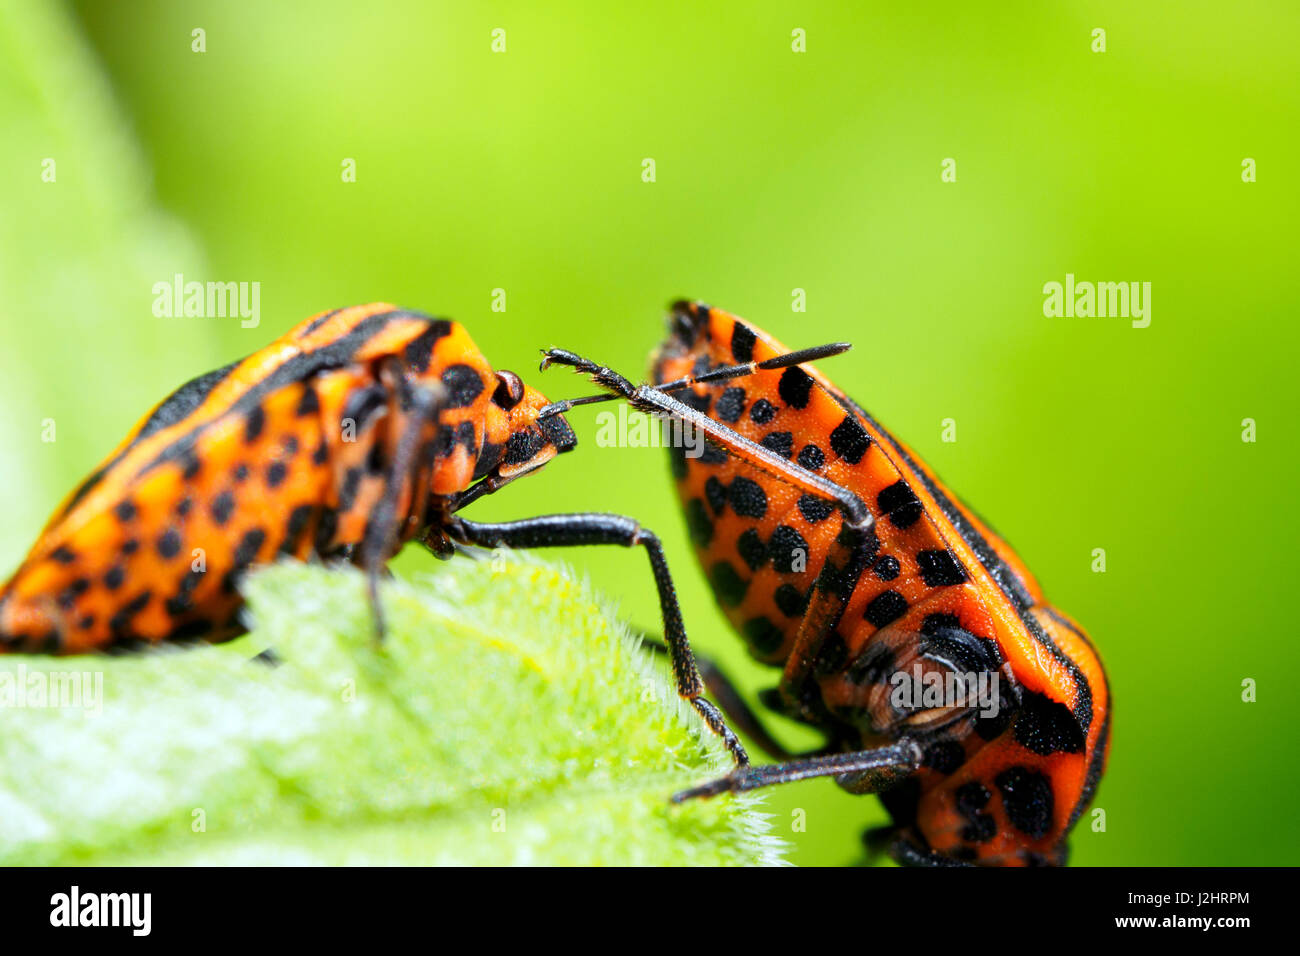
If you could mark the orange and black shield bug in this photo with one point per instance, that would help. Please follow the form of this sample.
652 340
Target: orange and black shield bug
905 627
359 430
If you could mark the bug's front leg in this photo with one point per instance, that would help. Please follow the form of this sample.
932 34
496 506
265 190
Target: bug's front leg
568 530
860 771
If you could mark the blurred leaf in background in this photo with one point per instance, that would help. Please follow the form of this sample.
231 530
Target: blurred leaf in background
776 171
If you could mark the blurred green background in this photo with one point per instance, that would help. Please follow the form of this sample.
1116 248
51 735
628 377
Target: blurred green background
775 170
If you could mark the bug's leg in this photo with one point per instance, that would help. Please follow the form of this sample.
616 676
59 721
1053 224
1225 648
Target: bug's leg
569 530
733 705
861 771
422 405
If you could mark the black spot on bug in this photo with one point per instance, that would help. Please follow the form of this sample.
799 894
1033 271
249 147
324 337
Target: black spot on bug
130 546
873 665
376 460
939 568
245 555
934 623
676 462
790 600
762 412
814 509
789 550
991 727
943 756
190 464
782 443
183 601
1046 726
727 584
886 567
420 348
191 630
275 474
309 403
711 454
249 545
831 656
239 474
73 591
87 622
742 342
1027 799
463 384
290 445
184 506
795 387
254 422
222 507
748 499
125 510
752 550
120 621
850 440
63 555
730 405
885 608
715 492
466 438
971 798
980 829
321 454
764 636
169 543
325 529
900 503
812 457
699 523
522 446
348 491
294 528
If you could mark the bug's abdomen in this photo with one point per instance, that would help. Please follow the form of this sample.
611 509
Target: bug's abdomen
162 558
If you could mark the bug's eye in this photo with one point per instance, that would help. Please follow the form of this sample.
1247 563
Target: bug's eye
509 391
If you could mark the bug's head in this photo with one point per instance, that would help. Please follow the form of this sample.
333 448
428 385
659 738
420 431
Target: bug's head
530 441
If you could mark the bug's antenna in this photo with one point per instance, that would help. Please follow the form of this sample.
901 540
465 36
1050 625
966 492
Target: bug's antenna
719 374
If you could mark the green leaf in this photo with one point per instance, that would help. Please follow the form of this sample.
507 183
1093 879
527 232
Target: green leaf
505 719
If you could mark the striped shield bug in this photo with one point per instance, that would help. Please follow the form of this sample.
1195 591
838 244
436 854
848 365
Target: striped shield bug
905 627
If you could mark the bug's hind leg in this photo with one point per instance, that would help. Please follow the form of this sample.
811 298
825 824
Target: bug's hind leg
860 771
584 528
733 704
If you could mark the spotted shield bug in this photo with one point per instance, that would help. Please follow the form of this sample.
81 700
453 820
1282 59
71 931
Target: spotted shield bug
357 431
842 559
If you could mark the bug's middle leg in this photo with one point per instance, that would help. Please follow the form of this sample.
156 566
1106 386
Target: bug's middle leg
382 536
585 528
